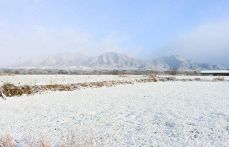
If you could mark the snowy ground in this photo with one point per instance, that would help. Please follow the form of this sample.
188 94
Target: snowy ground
157 114
61 79
66 79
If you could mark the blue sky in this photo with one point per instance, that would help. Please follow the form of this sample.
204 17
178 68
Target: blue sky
195 29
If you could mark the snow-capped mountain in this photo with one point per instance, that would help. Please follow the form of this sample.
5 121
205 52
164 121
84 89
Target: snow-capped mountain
57 61
111 61
209 67
176 62
180 63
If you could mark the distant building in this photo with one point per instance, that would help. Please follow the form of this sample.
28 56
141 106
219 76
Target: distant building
215 73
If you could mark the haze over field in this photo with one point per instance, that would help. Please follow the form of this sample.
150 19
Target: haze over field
196 30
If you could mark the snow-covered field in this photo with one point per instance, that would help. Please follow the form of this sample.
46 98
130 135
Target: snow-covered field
66 79
61 79
144 114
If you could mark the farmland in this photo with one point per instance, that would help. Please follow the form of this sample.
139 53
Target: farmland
163 113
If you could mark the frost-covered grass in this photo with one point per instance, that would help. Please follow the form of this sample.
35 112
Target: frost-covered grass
158 114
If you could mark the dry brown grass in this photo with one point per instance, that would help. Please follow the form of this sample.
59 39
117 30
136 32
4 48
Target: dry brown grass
57 87
43 143
7 141
70 141
10 90
7 74
153 78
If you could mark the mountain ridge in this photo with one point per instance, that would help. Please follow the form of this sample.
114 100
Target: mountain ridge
113 60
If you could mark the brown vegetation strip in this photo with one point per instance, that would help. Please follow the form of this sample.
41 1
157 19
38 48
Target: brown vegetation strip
10 90
70 140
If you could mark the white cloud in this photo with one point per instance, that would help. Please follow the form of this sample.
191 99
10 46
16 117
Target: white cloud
38 40
205 43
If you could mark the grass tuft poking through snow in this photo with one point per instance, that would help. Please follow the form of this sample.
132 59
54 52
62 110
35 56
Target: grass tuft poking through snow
68 141
12 90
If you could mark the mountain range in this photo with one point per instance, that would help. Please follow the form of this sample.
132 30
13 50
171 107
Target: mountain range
112 60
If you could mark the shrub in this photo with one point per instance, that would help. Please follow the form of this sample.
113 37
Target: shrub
197 79
220 78
26 89
173 71
153 77
11 90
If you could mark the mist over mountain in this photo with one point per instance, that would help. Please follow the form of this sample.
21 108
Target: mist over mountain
112 60
180 63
